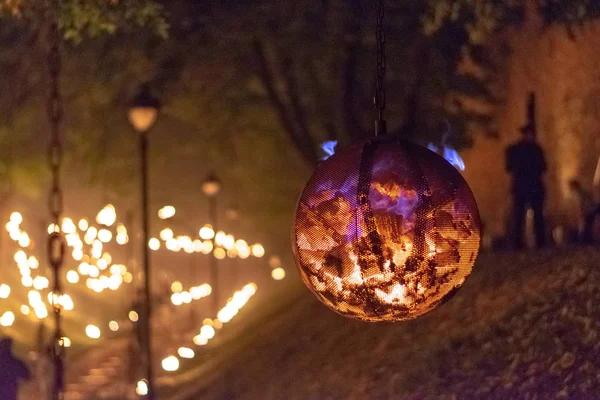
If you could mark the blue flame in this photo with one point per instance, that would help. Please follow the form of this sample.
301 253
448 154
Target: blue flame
329 148
454 158
450 155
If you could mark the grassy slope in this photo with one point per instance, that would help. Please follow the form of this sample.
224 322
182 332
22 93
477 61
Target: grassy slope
522 324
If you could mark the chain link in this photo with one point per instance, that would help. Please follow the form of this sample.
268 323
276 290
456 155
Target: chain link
380 99
56 243
55 115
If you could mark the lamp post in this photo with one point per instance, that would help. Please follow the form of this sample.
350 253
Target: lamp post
211 188
142 115
233 215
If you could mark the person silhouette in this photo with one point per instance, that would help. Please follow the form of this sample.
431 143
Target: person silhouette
526 163
12 371
590 209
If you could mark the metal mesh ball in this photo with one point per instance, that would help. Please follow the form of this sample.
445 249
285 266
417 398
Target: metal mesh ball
385 231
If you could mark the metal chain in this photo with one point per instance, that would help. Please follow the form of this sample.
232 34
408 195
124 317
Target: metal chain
380 100
56 244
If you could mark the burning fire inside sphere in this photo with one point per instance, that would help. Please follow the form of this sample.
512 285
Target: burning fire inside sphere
385 231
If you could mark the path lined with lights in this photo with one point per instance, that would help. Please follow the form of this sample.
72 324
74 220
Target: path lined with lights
209 327
91 254
88 244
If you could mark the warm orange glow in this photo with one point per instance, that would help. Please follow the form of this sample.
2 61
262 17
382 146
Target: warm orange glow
385 231
72 276
154 244
7 319
107 216
133 316
278 274
186 352
258 250
206 232
142 388
16 217
93 332
176 287
166 234
170 364
4 291
219 253
113 326
166 212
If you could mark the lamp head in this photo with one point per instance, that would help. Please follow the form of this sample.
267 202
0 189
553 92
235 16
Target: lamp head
143 111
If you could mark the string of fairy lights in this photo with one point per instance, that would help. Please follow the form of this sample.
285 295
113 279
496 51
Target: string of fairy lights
88 243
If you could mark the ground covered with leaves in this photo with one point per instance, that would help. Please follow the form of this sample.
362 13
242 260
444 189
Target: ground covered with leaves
524 326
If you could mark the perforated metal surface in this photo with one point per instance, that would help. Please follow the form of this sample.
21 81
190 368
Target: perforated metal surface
385 231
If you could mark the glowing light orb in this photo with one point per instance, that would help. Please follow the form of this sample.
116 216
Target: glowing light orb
166 234
206 232
142 388
166 212
104 235
83 224
385 231
107 216
207 332
7 319
176 287
170 364
133 316
72 276
176 299
93 332
186 352
278 274
258 250
154 244
4 291
113 326
16 217
219 253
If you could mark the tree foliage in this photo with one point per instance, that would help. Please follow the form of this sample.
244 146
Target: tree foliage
89 18
311 66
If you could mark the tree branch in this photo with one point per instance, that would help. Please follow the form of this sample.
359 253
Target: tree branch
326 115
305 147
410 124
298 111
349 83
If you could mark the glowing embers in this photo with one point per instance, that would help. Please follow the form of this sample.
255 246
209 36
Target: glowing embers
385 231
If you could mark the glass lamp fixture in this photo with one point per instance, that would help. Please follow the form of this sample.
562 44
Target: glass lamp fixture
211 186
143 111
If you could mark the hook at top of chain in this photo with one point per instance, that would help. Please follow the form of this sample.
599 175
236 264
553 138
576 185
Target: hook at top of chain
380 98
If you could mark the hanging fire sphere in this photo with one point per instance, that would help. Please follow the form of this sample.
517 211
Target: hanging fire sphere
385 230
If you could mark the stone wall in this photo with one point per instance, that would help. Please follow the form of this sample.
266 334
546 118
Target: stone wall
564 72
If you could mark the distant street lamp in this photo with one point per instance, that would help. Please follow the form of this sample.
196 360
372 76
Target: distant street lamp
211 188
233 215
142 115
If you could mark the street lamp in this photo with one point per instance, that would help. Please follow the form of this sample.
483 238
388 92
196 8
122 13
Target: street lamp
233 215
211 188
142 115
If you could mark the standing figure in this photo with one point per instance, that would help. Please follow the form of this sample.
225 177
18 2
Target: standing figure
526 163
12 371
590 209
